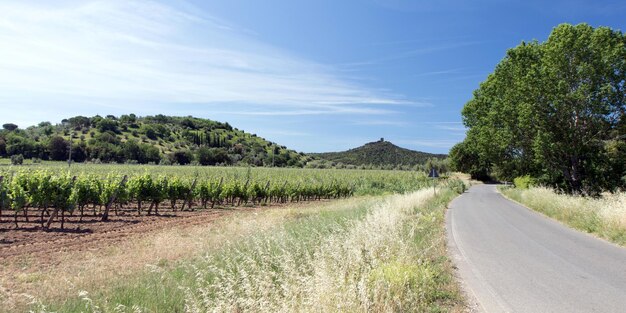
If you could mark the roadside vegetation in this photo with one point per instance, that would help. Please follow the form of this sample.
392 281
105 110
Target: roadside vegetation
604 216
381 254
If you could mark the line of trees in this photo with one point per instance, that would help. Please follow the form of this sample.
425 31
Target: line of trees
554 111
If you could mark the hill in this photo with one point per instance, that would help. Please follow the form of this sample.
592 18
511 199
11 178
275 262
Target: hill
156 139
378 153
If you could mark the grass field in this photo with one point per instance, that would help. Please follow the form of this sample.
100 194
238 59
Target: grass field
604 217
382 250
382 254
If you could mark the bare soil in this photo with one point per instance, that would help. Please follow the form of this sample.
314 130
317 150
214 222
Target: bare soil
30 239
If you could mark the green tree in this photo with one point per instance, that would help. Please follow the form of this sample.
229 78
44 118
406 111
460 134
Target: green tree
3 147
465 159
131 151
9 126
550 110
212 156
17 159
182 157
58 148
79 122
150 153
79 152
107 125
17 144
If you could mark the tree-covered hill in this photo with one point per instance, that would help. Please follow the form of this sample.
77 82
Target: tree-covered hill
379 153
156 139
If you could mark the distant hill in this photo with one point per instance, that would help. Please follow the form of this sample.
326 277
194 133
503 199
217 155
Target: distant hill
155 139
379 153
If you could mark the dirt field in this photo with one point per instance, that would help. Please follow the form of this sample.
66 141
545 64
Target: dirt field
41 265
90 233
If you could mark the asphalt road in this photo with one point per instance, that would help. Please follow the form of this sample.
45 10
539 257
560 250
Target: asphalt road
512 259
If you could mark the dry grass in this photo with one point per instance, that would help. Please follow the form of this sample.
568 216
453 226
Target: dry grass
605 216
372 254
29 279
392 260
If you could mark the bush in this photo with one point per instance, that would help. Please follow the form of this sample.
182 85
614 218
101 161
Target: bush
523 182
456 185
96 161
182 157
17 159
165 161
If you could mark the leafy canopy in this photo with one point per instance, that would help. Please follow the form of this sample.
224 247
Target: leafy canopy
552 110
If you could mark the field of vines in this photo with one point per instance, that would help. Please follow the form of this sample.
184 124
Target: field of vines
45 195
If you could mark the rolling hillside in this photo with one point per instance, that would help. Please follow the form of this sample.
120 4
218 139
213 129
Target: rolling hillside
156 139
378 153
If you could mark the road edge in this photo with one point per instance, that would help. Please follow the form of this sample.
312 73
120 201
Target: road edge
473 305
592 235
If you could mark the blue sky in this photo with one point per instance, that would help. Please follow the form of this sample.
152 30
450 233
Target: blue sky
316 76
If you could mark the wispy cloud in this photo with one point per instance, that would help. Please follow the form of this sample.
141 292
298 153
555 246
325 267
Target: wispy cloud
380 123
451 128
445 123
423 49
314 110
117 53
436 73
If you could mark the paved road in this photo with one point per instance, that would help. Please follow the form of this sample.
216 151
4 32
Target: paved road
511 259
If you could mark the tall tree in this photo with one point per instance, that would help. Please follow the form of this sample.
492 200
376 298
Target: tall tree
58 148
9 126
551 110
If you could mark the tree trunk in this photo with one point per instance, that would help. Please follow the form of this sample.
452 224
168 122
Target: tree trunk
188 197
105 215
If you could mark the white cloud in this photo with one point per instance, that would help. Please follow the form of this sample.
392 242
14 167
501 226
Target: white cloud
380 123
437 73
116 53
451 128
316 111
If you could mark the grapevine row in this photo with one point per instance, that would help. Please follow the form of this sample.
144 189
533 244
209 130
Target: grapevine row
53 196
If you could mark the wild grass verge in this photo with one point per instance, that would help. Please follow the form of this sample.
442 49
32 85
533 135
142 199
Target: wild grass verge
382 256
604 217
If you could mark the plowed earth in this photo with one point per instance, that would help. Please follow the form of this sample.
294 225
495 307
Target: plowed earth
30 239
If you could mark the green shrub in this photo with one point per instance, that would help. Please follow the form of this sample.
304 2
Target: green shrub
456 185
17 159
523 182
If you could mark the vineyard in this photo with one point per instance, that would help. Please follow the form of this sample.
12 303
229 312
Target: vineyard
48 196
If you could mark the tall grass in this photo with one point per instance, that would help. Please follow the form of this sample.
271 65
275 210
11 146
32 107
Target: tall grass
386 256
380 263
604 216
